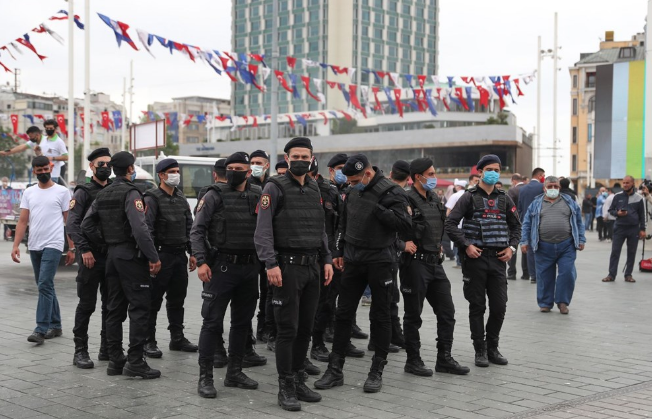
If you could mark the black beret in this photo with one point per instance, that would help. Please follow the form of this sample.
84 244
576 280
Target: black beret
401 166
488 159
166 164
220 164
99 152
355 165
564 183
259 153
314 166
418 166
301 142
338 159
237 157
40 161
122 159
281 165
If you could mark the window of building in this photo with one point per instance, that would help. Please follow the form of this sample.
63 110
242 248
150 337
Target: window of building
298 4
313 46
378 33
283 51
365 31
268 23
393 21
574 106
392 51
378 48
405 68
574 135
407 24
405 39
392 36
254 11
298 49
419 57
406 9
268 38
393 6
283 36
407 54
421 27
240 14
314 30
269 8
627 52
379 18
255 25
314 2
574 163
590 80
283 20
314 16
298 18
592 104
298 33
366 16
365 46
240 29
255 40
575 81
240 43
378 64
378 4
282 5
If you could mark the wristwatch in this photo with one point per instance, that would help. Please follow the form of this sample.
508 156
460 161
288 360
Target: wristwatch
513 249
72 250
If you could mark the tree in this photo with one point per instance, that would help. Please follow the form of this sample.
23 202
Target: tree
344 126
15 165
500 119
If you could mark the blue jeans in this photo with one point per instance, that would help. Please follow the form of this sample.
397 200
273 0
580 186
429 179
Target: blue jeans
367 292
588 221
556 272
45 263
532 264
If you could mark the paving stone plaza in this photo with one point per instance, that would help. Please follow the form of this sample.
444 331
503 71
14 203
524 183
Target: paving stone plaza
593 363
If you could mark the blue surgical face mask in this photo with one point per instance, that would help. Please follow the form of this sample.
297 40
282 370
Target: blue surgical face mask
340 178
552 193
431 183
257 171
133 176
490 177
359 186
605 194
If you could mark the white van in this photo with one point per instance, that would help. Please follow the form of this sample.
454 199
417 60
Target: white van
196 172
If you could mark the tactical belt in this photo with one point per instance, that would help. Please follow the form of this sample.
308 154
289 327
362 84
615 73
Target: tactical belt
237 259
301 260
171 249
493 252
103 250
429 258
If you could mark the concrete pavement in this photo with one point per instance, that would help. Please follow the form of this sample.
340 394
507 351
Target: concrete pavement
595 362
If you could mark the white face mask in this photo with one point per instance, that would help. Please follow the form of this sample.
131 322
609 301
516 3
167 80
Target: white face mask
257 171
173 179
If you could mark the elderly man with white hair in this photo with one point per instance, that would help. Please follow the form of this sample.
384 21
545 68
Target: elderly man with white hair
460 188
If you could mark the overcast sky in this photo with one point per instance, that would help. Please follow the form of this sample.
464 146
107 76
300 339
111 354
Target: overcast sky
476 37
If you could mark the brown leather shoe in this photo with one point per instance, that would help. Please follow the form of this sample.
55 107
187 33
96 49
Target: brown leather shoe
563 308
544 309
628 278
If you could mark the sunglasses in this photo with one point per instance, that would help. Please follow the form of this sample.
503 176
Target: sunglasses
102 164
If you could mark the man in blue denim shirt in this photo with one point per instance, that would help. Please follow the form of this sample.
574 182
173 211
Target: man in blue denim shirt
554 230
629 209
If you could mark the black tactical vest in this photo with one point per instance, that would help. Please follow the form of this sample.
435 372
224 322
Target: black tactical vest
91 189
428 218
170 228
330 198
488 226
111 210
234 221
362 227
299 219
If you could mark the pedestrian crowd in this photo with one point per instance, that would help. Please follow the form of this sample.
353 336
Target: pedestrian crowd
303 249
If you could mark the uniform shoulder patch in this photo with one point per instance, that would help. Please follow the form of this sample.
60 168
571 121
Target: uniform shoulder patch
265 201
514 209
72 204
139 205
200 205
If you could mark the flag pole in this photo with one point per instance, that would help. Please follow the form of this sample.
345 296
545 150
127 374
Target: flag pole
71 93
273 149
87 83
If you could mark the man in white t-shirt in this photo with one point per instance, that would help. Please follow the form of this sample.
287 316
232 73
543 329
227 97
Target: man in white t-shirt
51 146
45 208
460 188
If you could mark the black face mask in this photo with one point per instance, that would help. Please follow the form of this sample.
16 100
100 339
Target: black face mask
102 173
49 132
299 167
44 177
235 177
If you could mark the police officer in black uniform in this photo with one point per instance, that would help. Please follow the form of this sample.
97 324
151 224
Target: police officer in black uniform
91 259
422 275
281 167
375 210
291 240
222 241
117 218
219 176
169 220
487 240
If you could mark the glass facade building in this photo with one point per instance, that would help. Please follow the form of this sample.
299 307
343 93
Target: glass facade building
384 35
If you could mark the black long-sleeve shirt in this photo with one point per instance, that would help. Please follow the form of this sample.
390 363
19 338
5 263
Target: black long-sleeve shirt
205 209
136 217
78 208
395 210
464 209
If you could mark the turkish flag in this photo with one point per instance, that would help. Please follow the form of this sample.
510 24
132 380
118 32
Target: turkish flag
61 120
14 122
105 120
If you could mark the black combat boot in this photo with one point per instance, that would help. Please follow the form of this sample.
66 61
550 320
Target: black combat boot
140 369
220 358
329 334
81 358
151 349
287 394
446 362
495 357
480 347
304 393
235 377
310 368
271 343
354 352
333 376
103 355
319 352
178 342
251 358
415 365
205 387
392 349
357 333
375 377
116 365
